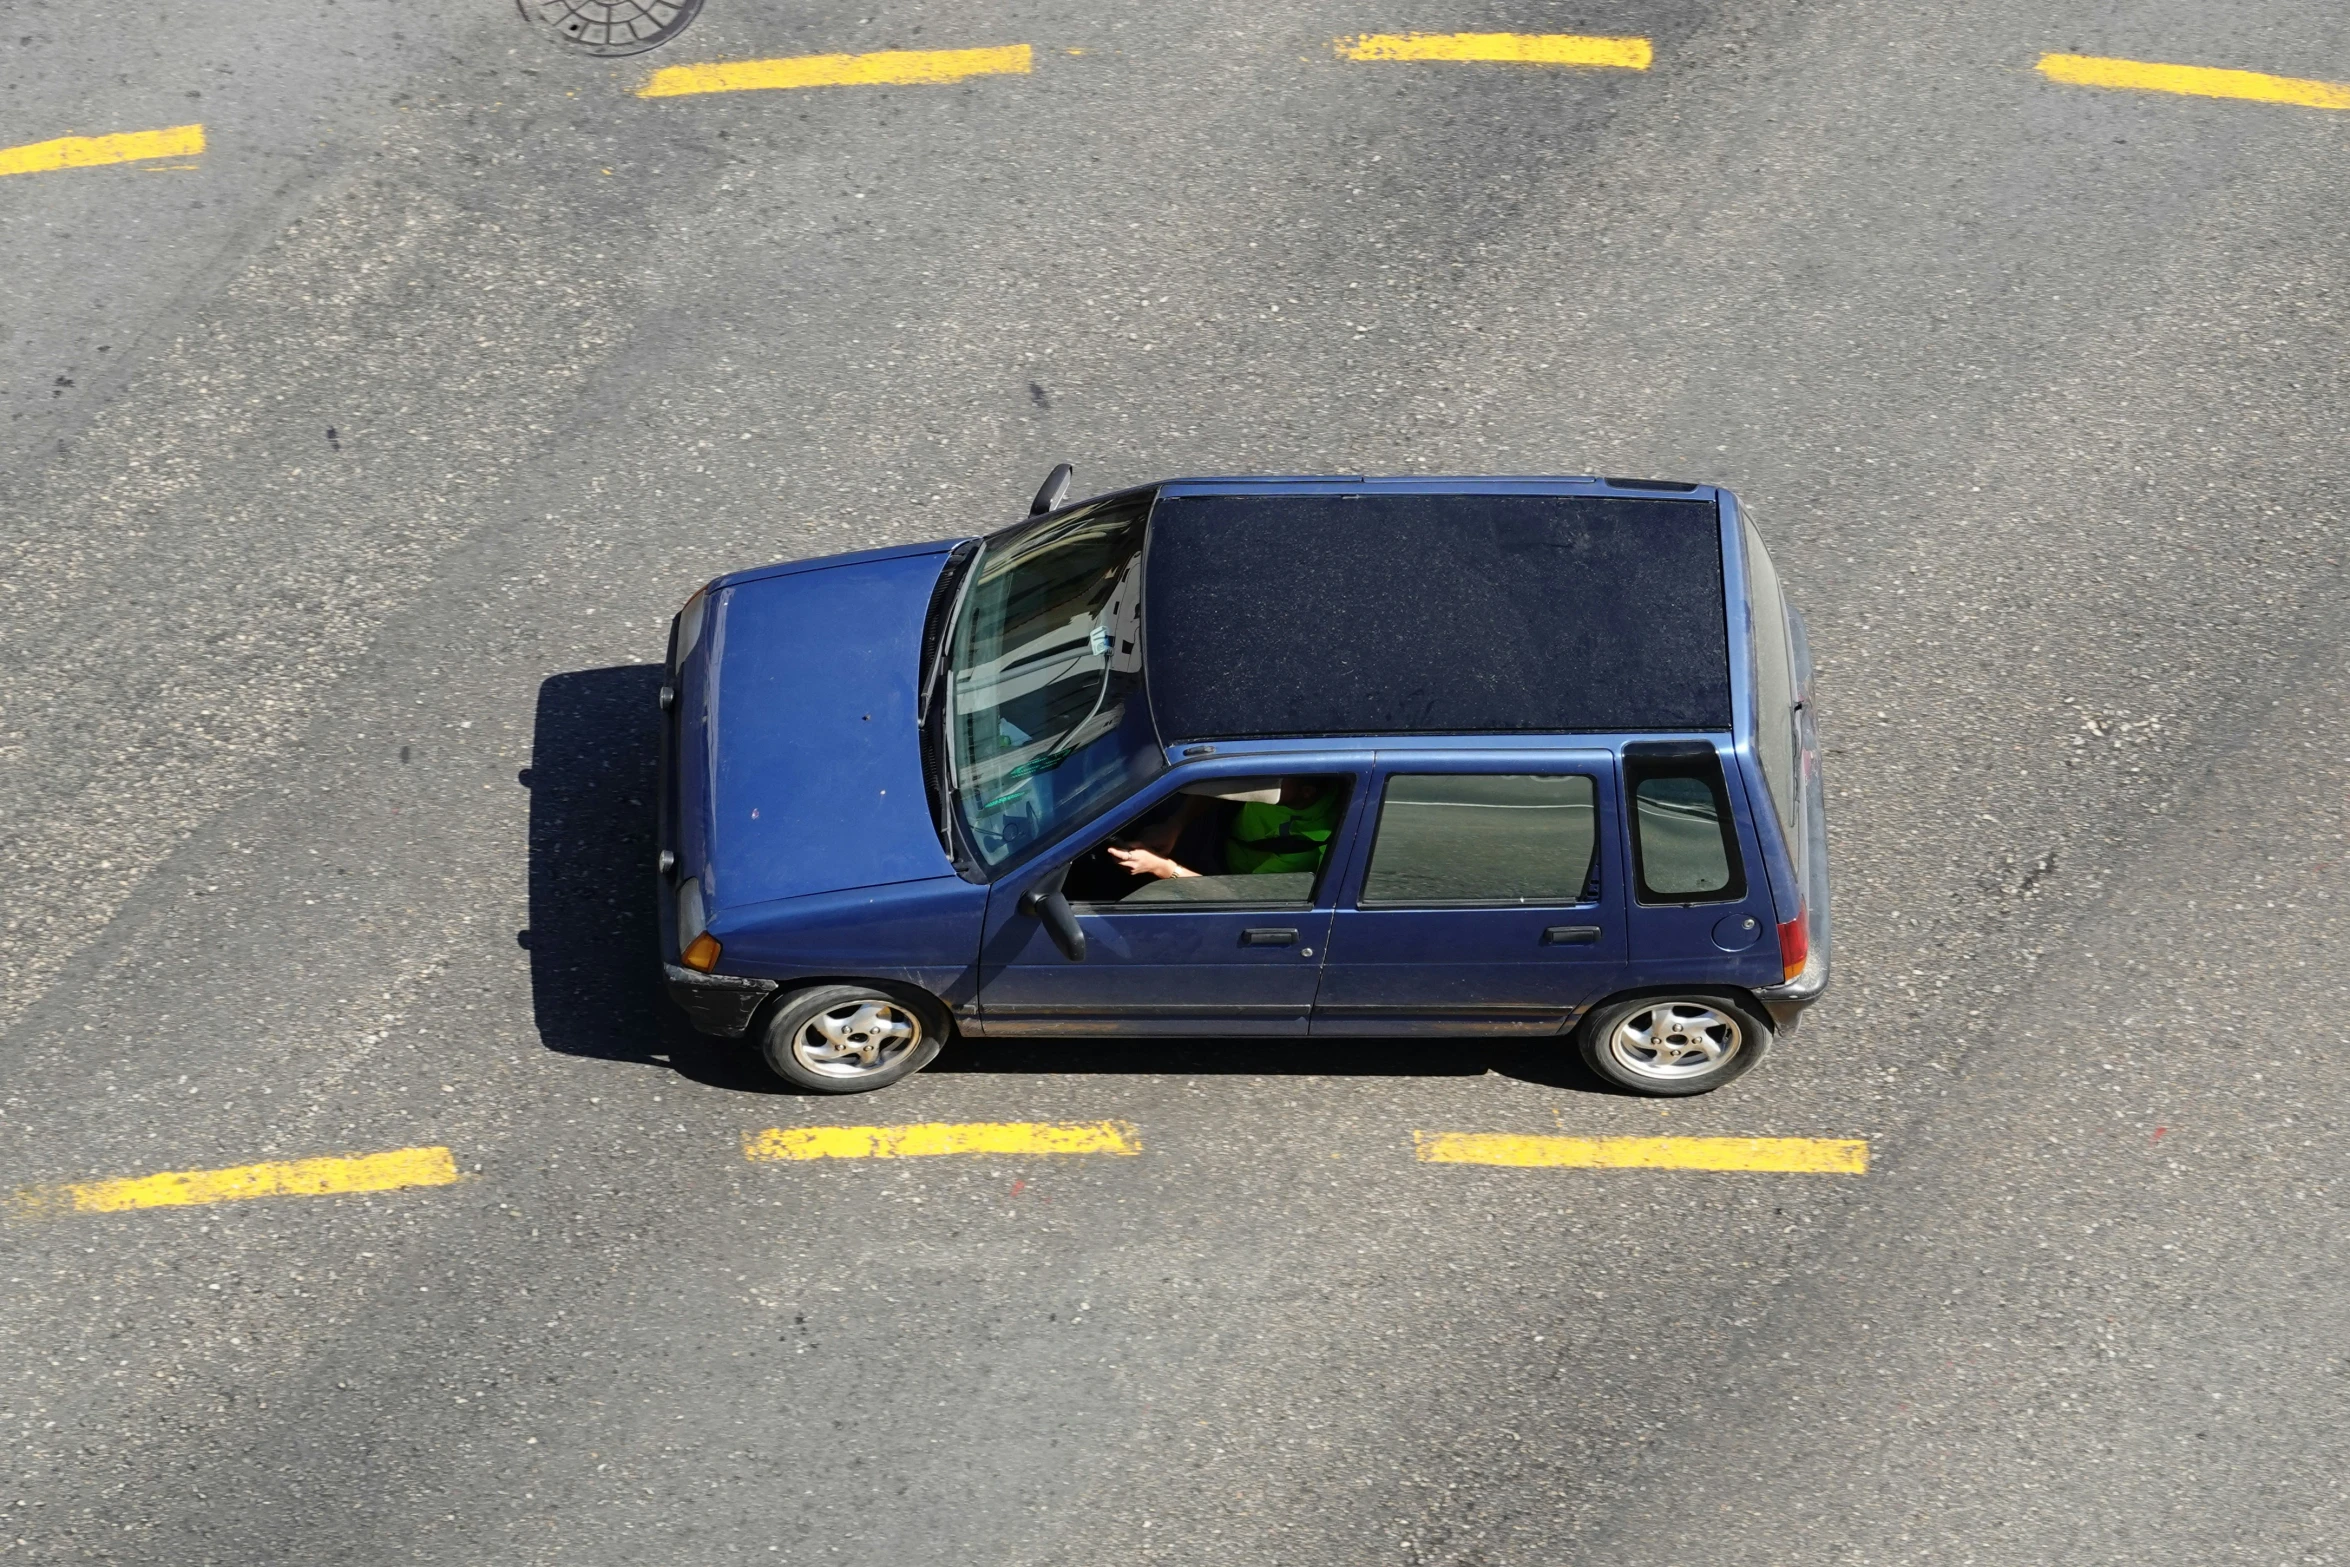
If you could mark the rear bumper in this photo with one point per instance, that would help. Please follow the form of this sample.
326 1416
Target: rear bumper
1786 1002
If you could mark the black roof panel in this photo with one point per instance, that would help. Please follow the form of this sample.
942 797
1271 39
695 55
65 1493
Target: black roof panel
1405 613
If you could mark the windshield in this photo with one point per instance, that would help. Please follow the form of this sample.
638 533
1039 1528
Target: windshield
1046 720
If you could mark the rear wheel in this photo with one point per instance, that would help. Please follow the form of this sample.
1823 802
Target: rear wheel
1673 1045
844 1039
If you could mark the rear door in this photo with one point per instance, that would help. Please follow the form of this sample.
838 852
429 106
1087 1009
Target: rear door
1483 899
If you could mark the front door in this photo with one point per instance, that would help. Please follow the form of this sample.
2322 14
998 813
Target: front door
1215 952
1483 906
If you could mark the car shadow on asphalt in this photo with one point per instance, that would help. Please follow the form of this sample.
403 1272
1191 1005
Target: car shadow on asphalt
1552 1063
595 938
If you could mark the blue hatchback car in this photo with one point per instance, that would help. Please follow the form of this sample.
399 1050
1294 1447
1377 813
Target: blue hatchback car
1256 757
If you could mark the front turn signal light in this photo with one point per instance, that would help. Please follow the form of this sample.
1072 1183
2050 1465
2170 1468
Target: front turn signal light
1794 944
701 953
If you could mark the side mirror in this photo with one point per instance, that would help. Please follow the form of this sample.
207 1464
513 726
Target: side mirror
1044 902
1055 491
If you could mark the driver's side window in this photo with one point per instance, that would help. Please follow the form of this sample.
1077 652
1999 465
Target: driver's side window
1226 842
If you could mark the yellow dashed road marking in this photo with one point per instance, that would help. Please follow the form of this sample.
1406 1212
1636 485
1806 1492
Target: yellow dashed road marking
2195 81
1781 1155
1630 54
940 1137
374 1172
85 152
890 68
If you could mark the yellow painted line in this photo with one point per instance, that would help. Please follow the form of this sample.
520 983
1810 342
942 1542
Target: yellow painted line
1630 54
1778 1155
890 68
2195 81
374 1172
941 1137
85 152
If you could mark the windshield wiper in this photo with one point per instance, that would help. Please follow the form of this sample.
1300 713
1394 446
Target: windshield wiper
946 597
930 728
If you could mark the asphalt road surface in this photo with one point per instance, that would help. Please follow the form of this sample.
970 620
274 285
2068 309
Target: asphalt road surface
353 467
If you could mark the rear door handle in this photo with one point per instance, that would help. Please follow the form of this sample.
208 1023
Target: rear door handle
1261 937
1570 936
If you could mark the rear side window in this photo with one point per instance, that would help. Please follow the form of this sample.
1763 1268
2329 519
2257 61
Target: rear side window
1774 683
1684 841
1486 838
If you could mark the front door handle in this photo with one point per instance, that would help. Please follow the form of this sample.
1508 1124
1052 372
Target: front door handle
1570 936
1262 937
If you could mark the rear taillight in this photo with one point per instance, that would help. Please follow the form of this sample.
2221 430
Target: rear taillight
1794 944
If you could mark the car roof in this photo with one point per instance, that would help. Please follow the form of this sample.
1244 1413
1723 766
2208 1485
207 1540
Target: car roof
1352 606
1432 484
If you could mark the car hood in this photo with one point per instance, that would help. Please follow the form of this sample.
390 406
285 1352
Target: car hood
815 759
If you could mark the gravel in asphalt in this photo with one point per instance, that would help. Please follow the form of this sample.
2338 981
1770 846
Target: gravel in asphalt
327 767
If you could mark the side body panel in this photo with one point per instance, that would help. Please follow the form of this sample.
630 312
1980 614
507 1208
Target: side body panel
922 933
1169 972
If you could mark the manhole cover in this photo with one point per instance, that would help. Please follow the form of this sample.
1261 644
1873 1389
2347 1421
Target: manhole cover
614 26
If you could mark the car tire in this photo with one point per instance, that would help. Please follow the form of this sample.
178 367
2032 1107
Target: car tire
1673 1044
848 1039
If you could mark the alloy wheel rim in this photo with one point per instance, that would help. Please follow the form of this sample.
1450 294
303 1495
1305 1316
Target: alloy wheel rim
856 1039
1673 1041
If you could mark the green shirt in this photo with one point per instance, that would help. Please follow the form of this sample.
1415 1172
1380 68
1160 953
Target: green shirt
1282 837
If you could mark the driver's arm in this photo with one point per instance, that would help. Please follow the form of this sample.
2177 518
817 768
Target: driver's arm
1147 862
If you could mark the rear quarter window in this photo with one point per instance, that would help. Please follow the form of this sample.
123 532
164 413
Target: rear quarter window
1684 839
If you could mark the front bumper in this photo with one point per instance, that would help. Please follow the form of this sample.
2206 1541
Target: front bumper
721 1004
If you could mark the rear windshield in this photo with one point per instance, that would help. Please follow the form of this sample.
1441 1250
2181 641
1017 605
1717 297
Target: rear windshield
1046 721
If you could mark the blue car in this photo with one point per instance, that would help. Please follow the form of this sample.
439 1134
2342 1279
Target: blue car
1259 757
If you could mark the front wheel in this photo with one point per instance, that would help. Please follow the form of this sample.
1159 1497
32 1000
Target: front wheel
845 1039
1673 1045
